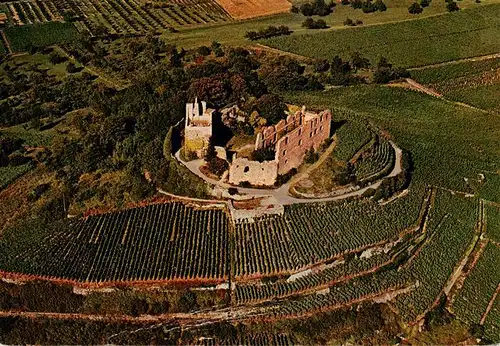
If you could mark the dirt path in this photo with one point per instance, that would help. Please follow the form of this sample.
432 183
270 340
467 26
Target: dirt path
416 85
281 52
281 194
490 305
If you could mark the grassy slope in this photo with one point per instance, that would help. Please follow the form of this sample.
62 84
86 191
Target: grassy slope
21 37
448 143
233 33
474 82
9 174
445 73
452 36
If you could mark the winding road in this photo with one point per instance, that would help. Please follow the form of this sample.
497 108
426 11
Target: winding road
281 194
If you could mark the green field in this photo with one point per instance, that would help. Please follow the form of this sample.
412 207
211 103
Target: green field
467 33
473 82
444 73
10 173
22 38
233 33
447 142
31 137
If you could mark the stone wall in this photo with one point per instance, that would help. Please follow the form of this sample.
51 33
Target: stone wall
292 147
254 172
198 127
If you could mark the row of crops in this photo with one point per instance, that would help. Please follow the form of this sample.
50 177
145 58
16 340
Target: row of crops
493 221
310 233
118 17
376 162
10 173
451 231
168 241
246 293
492 322
250 339
468 33
33 12
478 289
351 137
344 293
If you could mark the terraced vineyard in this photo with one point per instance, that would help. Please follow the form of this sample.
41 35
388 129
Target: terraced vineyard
474 297
451 231
376 162
119 17
312 233
493 222
159 242
492 322
336 272
352 136
364 287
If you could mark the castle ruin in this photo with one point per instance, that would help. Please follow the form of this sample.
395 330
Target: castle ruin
198 128
290 139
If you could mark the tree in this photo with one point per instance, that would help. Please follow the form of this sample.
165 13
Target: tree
379 4
321 65
71 68
425 3
358 61
415 8
314 24
452 6
167 145
211 153
217 49
204 51
271 107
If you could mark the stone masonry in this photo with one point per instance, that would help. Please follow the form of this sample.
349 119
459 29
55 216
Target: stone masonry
198 128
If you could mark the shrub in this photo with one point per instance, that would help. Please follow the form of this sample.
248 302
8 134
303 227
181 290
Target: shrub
314 24
295 9
264 154
71 68
311 156
415 8
345 2
321 65
270 31
425 3
349 22
452 6
203 51
380 6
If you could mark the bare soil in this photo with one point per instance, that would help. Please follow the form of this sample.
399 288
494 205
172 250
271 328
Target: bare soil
244 9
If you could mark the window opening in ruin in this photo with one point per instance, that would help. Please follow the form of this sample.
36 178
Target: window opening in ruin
300 132
246 169
300 141
284 152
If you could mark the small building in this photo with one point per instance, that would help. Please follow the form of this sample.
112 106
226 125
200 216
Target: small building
198 128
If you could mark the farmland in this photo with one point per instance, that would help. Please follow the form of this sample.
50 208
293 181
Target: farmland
473 299
459 35
493 222
315 233
116 247
474 82
119 17
247 9
10 173
21 38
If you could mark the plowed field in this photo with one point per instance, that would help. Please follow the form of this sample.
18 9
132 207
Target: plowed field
242 9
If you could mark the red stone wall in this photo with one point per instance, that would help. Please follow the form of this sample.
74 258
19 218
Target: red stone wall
291 148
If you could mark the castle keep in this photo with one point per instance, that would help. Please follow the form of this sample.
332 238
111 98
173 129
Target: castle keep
198 127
